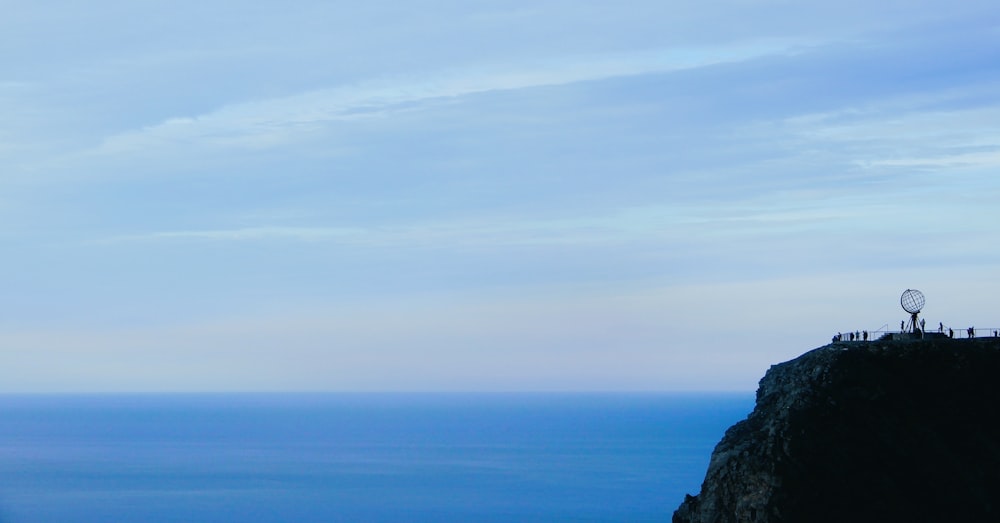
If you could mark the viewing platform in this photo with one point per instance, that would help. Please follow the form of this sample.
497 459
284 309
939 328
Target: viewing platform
912 302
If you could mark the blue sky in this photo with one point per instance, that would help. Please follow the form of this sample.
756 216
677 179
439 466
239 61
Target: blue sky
449 196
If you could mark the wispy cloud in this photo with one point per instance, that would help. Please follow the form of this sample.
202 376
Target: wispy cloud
248 233
432 234
989 159
627 225
276 120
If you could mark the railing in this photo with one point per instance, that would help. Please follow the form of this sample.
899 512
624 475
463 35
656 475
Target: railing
951 332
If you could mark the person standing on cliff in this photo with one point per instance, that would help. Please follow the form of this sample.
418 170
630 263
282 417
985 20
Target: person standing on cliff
940 327
951 332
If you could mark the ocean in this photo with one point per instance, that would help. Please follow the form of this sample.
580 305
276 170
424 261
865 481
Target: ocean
356 457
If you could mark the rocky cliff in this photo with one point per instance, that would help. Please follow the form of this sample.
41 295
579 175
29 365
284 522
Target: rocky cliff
864 431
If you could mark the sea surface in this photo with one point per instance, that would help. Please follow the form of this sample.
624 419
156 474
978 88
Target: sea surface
356 457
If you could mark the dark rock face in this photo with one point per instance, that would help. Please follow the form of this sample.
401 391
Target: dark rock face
853 432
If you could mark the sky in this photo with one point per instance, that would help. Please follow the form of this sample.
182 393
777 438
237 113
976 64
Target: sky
544 195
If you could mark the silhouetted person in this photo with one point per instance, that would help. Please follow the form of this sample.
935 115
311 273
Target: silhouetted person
865 334
951 332
940 327
971 331
902 326
852 336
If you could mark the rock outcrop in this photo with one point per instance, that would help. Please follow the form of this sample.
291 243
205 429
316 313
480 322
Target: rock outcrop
867 431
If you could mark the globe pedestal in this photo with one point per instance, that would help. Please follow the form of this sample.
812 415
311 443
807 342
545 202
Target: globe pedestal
914 326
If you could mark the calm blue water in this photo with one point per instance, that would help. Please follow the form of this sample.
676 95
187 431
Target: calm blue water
365 458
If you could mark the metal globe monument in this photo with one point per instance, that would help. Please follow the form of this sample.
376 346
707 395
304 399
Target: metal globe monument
913 302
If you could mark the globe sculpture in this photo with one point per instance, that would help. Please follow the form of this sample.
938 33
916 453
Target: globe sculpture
913 301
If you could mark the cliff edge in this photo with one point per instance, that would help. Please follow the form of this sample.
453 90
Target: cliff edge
866 431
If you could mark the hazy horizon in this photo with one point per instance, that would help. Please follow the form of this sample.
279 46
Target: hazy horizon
488 196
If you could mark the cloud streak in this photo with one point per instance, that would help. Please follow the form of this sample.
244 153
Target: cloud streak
277 120
649 224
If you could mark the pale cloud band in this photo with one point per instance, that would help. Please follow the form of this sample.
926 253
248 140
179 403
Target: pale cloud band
279 120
